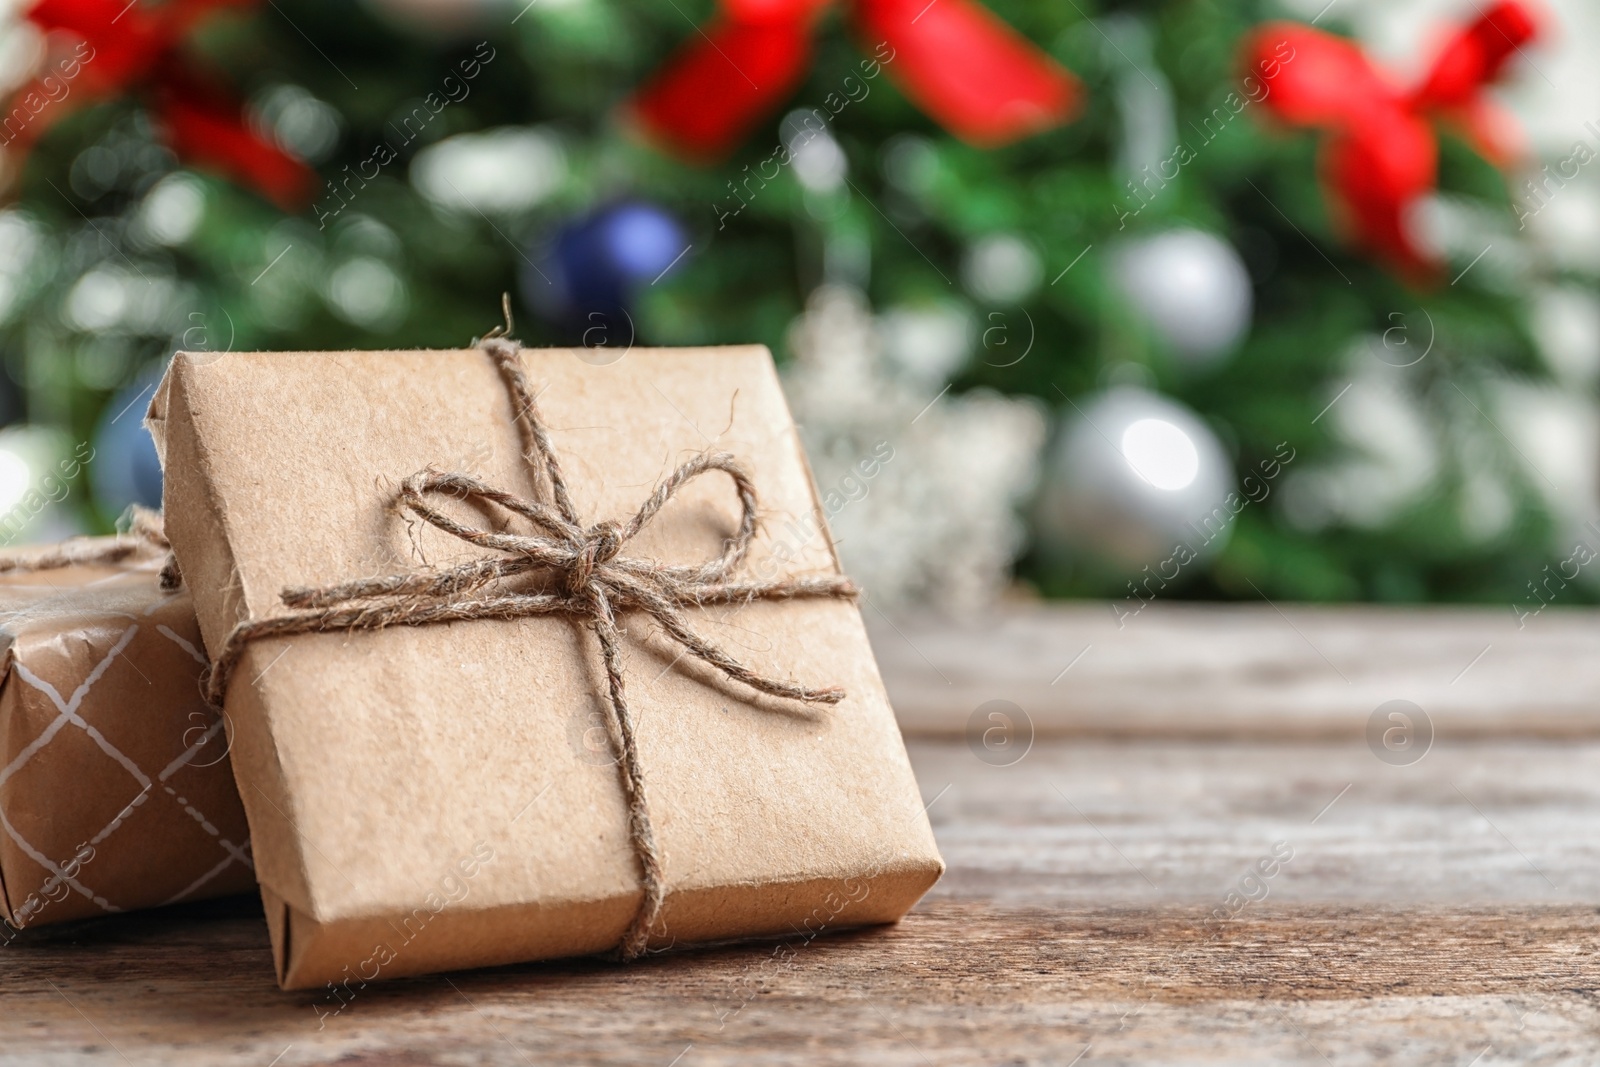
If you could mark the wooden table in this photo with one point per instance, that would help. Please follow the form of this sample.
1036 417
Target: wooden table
1444 911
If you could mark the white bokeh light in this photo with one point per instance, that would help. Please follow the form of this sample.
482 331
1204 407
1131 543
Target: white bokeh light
1002 268
1161 454
502 171
366 291
14 479
819 162
173 209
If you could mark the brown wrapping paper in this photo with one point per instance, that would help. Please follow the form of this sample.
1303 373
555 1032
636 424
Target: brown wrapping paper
115 789
427 798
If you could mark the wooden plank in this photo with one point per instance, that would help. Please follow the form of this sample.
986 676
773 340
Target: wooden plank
1428 913
1242 671
954 984
1094 823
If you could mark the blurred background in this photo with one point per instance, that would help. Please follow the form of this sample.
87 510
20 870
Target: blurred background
1206 319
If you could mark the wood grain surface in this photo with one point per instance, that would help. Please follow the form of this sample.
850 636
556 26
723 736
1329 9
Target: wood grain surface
1442 912
1246 671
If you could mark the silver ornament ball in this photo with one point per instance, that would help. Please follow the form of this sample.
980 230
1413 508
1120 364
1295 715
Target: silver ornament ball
1131 475
1191 288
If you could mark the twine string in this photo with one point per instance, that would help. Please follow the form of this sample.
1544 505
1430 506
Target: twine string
145 534
587 577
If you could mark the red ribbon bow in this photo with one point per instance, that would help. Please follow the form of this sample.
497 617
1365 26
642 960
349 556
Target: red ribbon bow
1380 157
954 59
138 47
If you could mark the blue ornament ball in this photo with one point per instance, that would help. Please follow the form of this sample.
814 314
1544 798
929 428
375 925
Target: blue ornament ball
641 240
585 275
125 469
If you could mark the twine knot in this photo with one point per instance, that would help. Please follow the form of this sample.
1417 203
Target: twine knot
600 546
563 567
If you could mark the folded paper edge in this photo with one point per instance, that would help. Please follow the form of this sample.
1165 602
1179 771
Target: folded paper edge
799 445
155 416
7 709
298 940
821 512
278 913
202 505
221 571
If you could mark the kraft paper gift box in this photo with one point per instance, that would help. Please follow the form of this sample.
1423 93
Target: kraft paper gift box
432 797
115 789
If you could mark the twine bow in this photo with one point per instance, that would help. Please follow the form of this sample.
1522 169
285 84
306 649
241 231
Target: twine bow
593 581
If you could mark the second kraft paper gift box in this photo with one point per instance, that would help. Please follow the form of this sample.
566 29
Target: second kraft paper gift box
437 796
115 791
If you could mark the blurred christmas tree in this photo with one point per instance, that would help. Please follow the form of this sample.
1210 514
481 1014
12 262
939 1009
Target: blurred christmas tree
465 148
